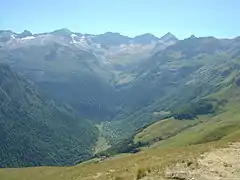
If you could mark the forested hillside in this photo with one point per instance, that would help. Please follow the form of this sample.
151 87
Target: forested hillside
37 132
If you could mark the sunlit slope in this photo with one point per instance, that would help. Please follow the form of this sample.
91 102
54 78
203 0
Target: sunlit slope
163 130
205 128
151 163
184 145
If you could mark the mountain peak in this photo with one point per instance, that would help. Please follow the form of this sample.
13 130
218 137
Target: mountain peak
62 32
192 37
24 34
111 38
145 38
146 35
111 33
169 37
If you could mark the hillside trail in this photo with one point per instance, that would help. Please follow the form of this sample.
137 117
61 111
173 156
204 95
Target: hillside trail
219 164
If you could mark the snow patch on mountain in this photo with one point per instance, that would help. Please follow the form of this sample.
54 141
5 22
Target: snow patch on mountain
28 38
73 35
13 36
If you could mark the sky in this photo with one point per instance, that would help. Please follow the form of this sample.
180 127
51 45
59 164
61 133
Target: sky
219 18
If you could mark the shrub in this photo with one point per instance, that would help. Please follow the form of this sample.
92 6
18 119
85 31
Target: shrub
201 107
141 173
119 178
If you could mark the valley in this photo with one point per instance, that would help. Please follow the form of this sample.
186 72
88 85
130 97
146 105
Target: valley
109 106
173 158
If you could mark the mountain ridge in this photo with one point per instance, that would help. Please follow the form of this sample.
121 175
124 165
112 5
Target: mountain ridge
65 31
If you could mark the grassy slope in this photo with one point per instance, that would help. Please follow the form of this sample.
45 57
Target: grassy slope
206 128
163 129
187 145
212 129
153 161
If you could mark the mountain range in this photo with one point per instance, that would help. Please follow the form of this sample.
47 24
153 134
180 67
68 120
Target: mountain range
62 59
117 83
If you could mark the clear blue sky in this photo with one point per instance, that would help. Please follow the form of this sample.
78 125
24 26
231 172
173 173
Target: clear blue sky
219 18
